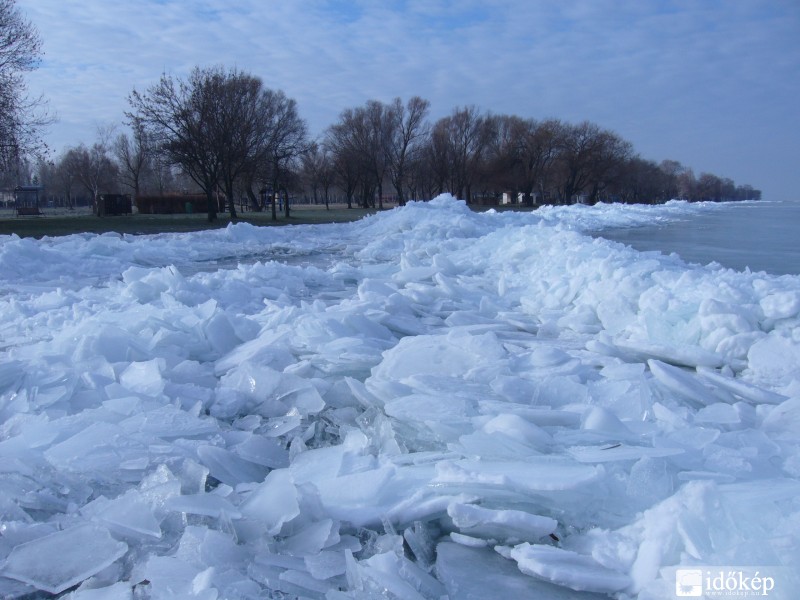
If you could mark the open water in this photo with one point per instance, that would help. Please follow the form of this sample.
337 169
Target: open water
761 236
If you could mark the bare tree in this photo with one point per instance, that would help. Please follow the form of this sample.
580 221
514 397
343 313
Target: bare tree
92 168
316 172
241 127
134 155
345 160
21 117
180 117
709 187
457 148
406 137
285 142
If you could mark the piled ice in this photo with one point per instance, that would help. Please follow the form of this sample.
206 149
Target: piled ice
429 403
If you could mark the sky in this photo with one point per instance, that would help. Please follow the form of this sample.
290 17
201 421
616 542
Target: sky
714 84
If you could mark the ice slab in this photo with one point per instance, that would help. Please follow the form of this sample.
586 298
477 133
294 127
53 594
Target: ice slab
535 474
212 505
680 355
506 525
230 468
480 573
567 568
680 382
274 502
742 389
130 515
616 452
60 560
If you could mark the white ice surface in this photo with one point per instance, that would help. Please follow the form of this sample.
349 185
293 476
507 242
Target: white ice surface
429 402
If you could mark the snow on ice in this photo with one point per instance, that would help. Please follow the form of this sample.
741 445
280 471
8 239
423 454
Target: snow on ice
429 403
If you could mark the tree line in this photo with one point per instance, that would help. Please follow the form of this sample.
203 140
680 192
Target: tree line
224 133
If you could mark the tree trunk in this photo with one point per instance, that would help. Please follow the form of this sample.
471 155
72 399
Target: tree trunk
212 205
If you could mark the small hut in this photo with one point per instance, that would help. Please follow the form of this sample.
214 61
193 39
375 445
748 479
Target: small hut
113 204
26 200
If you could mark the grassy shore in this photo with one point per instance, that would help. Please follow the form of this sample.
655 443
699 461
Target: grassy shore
56 222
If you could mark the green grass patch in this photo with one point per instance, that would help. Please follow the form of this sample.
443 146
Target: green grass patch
80 222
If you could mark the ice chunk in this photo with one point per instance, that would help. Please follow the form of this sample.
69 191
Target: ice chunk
421 539
117 591
99 447
470 573
144 377
263 451
60 560
312 539
274 502
775 358
722 414
212 505
402 579
230 468
422 407
361 498
202 546
614 452
680 382
130 515
326 564
539 473
221 334
519 429
601 420
567 568
781 305
445 355
507 526
685 356
169 576
649 481
168 422
784 418
742 389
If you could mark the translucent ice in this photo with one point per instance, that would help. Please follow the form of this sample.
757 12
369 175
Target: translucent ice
369 409
502 525
58 561
567 568
274 502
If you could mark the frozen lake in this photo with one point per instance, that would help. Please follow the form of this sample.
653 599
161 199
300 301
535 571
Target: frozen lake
430 403
761 236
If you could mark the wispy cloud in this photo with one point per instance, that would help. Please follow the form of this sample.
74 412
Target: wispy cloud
713 84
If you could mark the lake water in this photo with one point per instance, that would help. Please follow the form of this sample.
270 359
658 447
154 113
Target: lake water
761 236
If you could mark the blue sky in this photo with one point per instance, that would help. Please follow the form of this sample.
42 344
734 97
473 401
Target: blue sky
714 84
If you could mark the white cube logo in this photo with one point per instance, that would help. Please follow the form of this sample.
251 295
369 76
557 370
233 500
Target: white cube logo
689 583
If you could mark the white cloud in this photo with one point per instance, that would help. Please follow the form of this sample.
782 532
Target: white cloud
677 78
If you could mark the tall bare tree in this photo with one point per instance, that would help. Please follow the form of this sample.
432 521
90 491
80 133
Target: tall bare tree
134 154
458 147
285 141
21 117
92 168
406 136
180 115
317 172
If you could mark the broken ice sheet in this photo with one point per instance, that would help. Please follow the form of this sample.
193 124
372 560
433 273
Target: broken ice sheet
60 560
480 573
567 568
510 526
